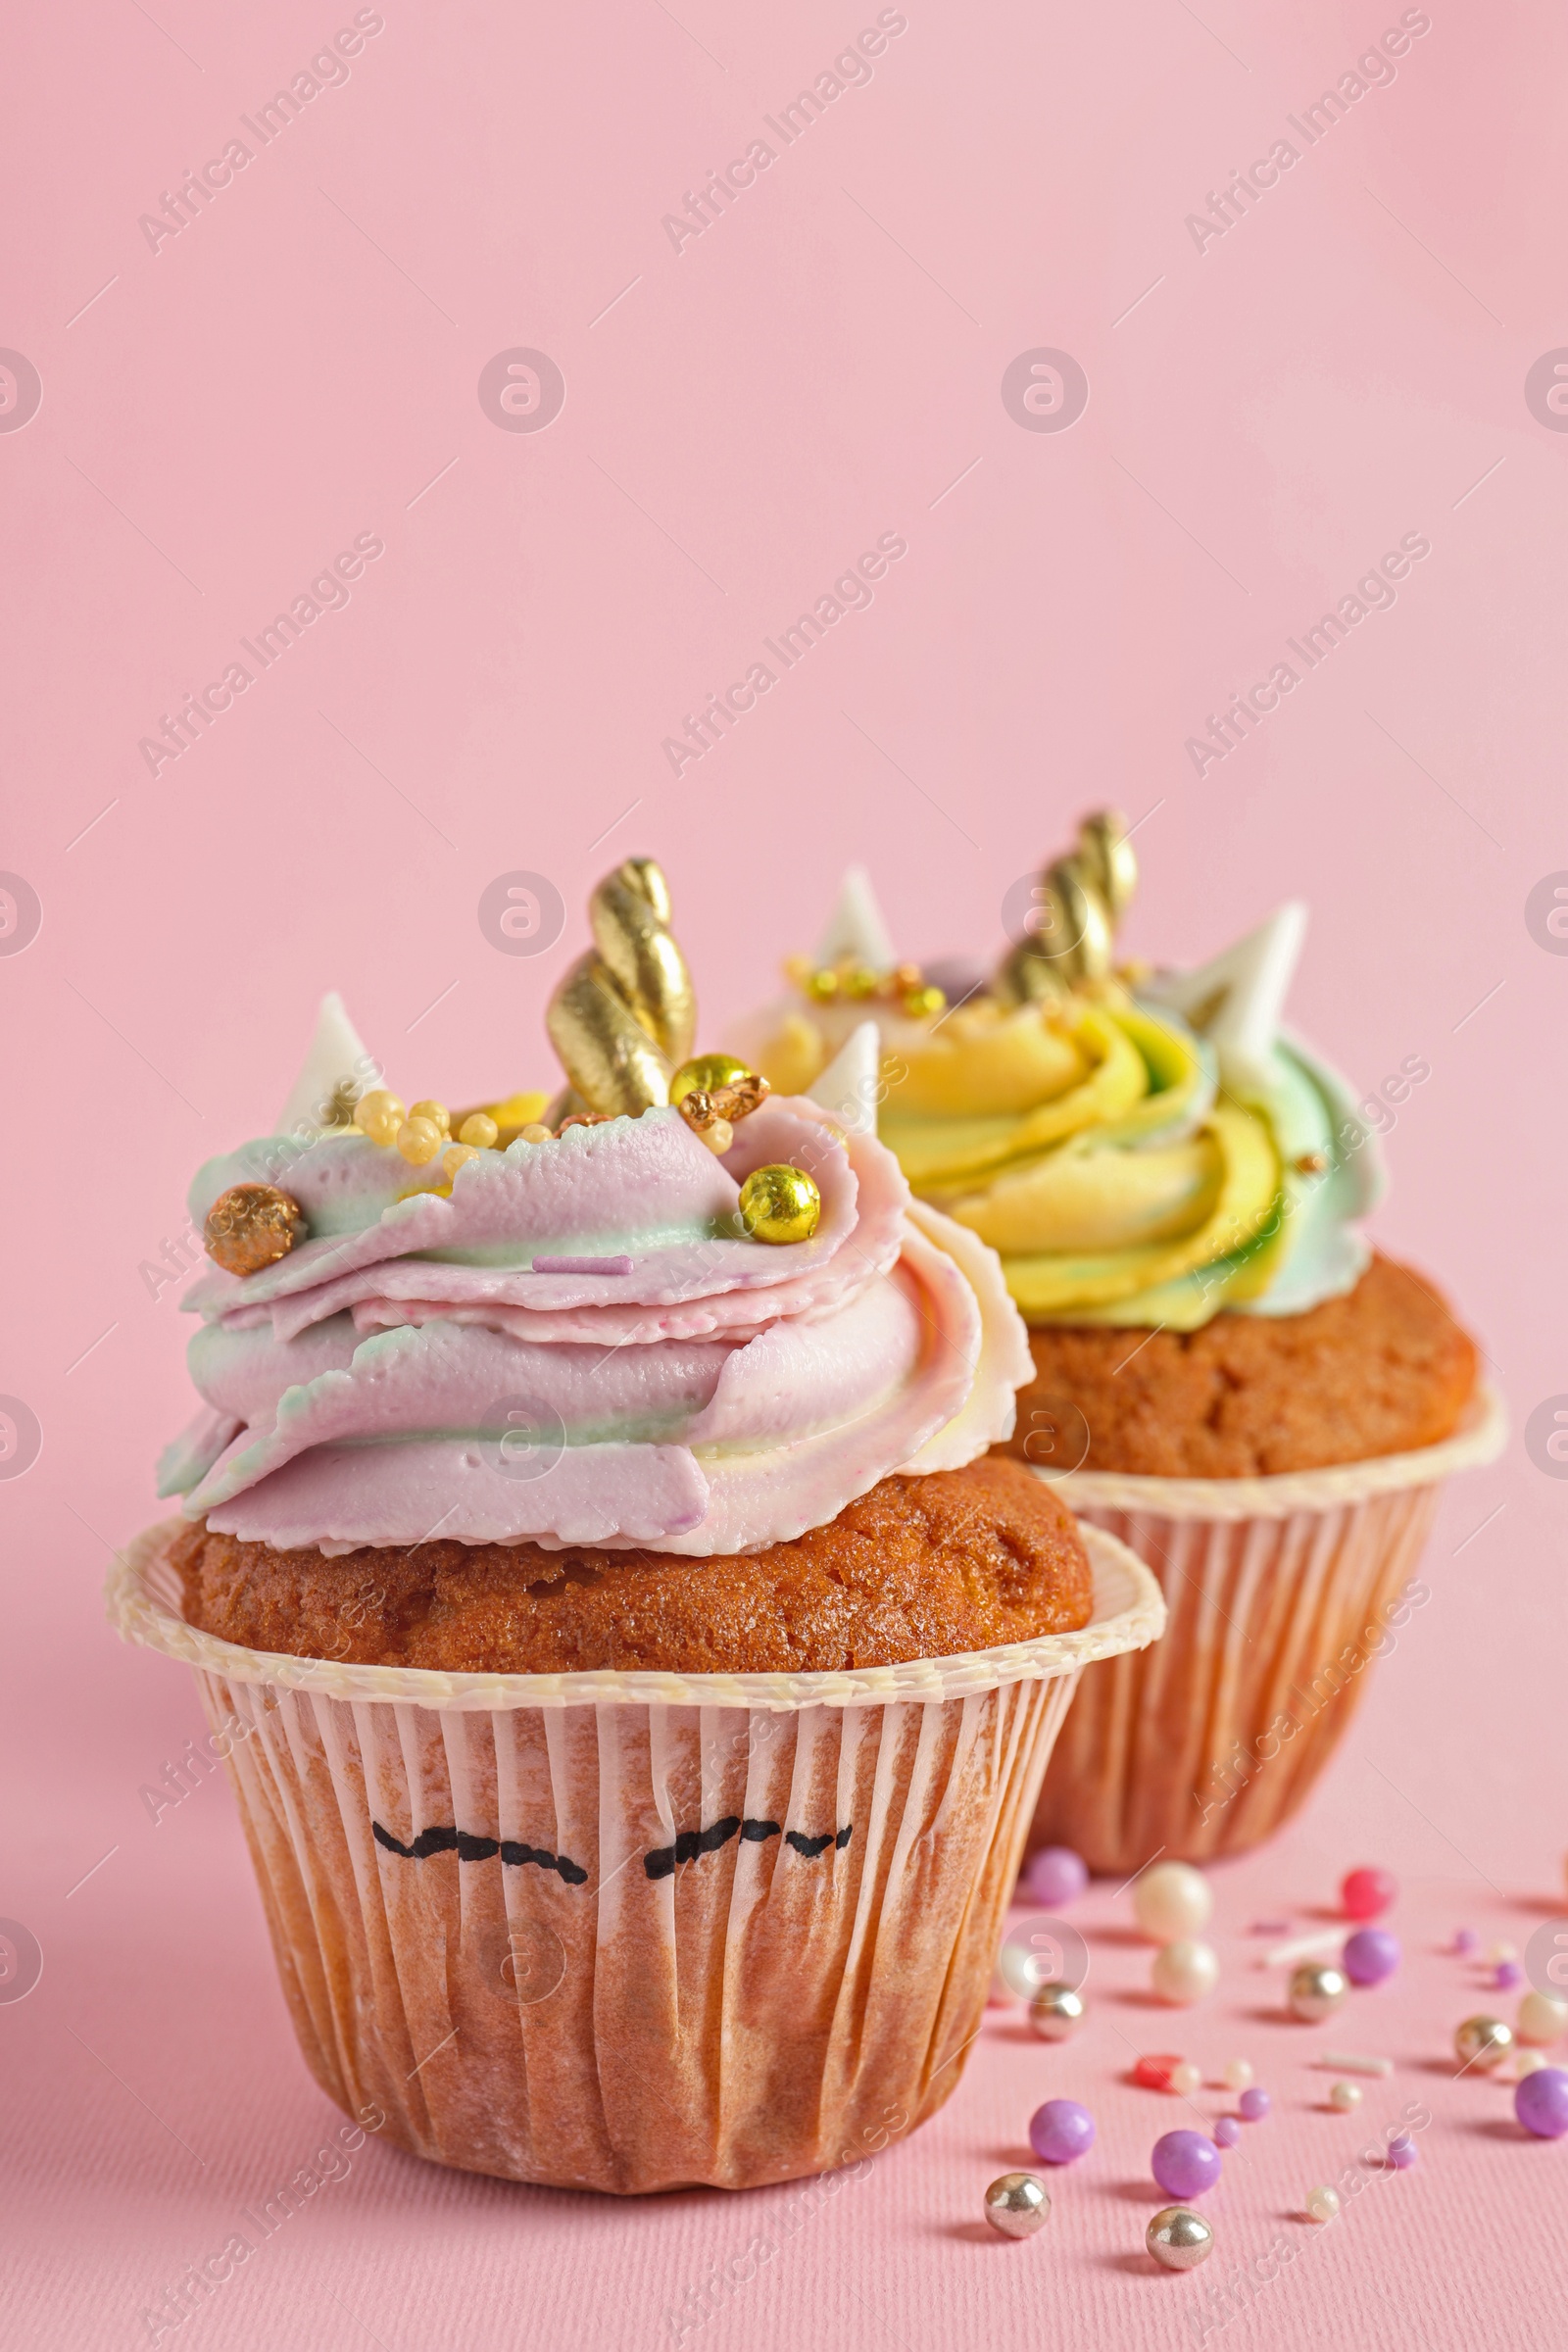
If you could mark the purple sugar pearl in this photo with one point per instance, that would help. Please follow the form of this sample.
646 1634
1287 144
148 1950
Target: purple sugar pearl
1185 2163
1370 1955
1540 2102
1509 1974
1402 2149
1061 2130
1227 2132
1056 1876
1464 1941
1254 2105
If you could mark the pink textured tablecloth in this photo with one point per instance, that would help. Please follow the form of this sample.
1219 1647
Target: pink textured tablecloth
212 388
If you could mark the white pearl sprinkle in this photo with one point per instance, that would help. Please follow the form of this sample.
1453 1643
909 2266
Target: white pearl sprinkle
1185 2078
1237 2074
1171 1900
1345 2096
1185 1971
1542 2019
1322 2204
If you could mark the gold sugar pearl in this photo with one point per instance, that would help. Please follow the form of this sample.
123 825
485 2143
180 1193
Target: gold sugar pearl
719 1135
780 1203
859 982
435 1112
379 1115
252 1226
534 1133
902 979
419 1139
704 1072
921 1001
717 1090
822 985
458 1155
478 1129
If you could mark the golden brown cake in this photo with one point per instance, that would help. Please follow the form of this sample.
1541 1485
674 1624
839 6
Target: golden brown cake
1383 1370
920 1568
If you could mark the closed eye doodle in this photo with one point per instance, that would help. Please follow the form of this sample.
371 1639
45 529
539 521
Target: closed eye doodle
470 1848
664 1860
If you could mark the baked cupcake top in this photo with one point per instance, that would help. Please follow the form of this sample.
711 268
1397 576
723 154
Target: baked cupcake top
1140 1148
660 1313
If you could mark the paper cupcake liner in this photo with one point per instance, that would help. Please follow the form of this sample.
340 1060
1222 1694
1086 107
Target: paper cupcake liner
634 1931
1281 1592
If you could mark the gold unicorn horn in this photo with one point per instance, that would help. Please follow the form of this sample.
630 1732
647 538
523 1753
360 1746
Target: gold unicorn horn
624 1016
1078 901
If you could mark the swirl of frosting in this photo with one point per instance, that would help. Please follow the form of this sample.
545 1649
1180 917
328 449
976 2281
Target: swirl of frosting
1141 1152
681 1385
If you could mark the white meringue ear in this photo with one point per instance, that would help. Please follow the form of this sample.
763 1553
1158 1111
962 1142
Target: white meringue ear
1236 1000
856 929
848 1087
338 1059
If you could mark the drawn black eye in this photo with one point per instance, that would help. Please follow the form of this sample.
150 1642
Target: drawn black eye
664 1860
470 1848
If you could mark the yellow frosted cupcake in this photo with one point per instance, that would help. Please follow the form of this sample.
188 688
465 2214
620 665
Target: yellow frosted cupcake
1224 1373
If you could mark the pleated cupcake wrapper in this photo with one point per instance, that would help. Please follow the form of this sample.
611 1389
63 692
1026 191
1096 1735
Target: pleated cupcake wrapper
1281 1592
630 1932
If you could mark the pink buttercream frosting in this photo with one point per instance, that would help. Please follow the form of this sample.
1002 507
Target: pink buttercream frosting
579 1345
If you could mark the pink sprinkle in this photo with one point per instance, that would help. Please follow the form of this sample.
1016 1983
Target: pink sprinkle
582 1265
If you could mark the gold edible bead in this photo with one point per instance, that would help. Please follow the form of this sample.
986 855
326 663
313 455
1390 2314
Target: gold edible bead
1482 2043
419 1139
435 1112
822 985
719 1135
923 1000
533 1133
458 1155
859 982
252 1226
379 1115
780 1203
705 1072
478 1129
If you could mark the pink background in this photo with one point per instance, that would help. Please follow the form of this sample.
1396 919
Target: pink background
1266 416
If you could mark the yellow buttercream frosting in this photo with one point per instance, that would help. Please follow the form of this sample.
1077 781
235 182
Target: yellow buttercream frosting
1080 1141
1133 1158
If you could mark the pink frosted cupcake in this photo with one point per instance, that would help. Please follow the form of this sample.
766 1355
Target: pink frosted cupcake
636 1681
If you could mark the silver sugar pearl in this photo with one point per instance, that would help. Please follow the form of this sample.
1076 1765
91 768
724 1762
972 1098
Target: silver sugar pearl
1179 2238
1316 1989
1482 2043
1057 2011
1017 2205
